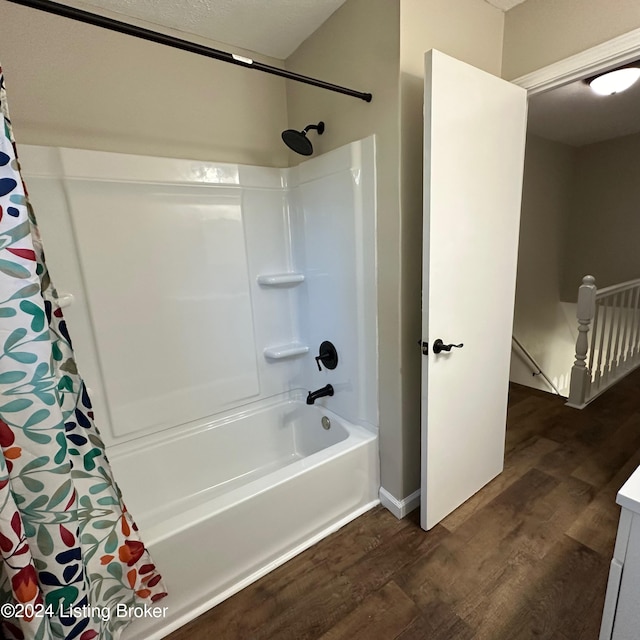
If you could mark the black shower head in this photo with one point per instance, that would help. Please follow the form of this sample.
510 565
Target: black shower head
298 141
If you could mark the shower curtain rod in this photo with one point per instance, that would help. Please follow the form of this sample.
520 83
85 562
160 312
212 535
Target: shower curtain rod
185 45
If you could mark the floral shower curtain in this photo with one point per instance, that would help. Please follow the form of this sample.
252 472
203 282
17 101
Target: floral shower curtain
72 563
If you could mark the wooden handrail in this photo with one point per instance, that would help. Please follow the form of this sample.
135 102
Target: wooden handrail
615 288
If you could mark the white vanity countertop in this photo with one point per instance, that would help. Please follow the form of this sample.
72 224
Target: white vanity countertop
629 495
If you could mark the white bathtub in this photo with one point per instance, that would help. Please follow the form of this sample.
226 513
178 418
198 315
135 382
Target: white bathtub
221 506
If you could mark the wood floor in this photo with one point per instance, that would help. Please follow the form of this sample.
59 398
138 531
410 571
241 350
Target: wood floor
527 557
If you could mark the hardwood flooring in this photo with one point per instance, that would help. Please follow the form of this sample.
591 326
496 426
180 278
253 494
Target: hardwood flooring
526 557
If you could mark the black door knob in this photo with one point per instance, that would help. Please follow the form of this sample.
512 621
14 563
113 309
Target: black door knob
439 346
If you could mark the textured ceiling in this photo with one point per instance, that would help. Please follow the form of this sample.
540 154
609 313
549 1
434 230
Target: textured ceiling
272 27
505 5
573 114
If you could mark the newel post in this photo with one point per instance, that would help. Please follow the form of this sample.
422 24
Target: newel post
580 374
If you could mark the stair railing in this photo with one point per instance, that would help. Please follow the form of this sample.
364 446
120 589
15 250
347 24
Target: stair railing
536 369
612 315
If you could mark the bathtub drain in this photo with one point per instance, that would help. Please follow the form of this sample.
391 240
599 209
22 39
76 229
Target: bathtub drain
326 423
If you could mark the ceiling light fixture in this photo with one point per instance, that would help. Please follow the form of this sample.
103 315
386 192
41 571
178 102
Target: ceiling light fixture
614 81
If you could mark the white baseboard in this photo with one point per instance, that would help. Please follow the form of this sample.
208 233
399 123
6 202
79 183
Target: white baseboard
399 508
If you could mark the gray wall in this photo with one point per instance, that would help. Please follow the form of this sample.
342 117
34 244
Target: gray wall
540 32
359 46
75 85
605 215
541 322
580 215
378 46
79 86
472 32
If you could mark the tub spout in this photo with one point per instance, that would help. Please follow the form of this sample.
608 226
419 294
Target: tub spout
320 393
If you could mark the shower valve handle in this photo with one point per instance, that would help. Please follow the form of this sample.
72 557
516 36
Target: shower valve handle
327 355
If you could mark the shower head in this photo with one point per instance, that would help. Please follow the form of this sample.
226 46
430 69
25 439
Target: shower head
297 140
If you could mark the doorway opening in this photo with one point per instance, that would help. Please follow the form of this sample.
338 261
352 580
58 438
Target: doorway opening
578 218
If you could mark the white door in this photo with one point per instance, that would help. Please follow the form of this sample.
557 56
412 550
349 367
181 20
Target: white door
474 138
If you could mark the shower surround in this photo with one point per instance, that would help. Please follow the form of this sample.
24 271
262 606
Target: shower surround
226 279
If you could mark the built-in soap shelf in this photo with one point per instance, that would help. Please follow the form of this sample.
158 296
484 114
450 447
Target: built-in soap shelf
280 279
282 351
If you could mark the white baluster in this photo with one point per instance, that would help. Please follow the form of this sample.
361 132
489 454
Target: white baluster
626 339
580 375
591 361
612 325
614 363
600 369
636 327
